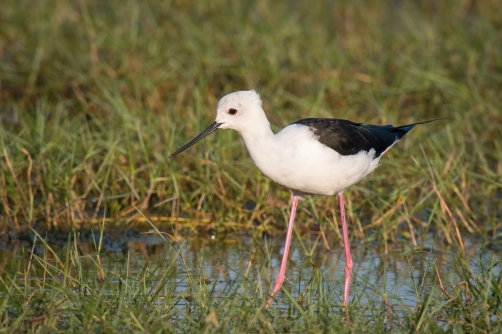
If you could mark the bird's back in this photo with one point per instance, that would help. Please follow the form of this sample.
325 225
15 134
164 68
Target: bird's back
349 138
296 159
322 156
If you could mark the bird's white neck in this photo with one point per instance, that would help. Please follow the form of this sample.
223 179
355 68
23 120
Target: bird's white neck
257 136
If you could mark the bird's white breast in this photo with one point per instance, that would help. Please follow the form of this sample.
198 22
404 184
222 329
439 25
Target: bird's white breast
295 159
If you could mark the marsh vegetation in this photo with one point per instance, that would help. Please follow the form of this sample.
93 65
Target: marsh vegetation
95 95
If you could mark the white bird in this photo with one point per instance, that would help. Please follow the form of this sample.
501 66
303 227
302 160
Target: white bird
313 156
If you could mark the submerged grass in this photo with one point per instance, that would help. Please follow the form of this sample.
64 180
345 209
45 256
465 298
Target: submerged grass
54 290
95 95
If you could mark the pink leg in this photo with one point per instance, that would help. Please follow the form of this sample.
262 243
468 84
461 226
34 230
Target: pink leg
348 258
282 272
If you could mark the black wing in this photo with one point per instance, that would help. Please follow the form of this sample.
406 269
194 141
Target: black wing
348 138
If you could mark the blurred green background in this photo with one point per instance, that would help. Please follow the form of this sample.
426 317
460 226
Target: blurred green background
94 95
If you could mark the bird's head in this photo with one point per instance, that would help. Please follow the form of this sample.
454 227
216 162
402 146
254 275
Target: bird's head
237 111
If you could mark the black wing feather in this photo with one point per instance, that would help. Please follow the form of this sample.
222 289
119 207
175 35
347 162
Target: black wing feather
349 138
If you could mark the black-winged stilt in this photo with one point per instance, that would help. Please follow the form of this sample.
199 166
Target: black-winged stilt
313 156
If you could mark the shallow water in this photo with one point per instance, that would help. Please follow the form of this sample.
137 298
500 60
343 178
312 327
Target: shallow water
402 275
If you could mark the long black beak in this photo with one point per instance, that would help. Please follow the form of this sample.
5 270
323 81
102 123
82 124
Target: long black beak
212 128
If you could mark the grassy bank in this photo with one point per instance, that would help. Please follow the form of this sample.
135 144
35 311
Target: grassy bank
95 96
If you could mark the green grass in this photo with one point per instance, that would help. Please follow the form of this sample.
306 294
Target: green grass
50 290
95 95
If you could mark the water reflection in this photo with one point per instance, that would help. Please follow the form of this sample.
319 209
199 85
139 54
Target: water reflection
397 278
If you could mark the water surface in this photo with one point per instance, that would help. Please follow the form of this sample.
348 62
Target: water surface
397 275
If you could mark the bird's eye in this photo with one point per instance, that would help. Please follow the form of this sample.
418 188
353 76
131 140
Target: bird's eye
232 111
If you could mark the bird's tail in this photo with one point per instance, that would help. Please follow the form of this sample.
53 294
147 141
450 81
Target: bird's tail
405 128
